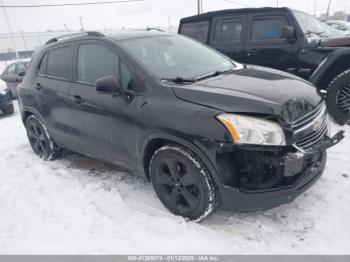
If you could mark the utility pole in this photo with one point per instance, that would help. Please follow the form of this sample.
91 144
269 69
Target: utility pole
315 9
81 23
24 41
329 7
277 3
9 29
169 22
199 6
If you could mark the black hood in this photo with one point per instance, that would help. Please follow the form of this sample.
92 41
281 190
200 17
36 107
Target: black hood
256 90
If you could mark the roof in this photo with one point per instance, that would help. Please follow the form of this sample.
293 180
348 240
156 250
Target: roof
209 15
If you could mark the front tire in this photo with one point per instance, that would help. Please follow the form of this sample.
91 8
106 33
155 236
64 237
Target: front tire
182 182
9 110
40 140
338 98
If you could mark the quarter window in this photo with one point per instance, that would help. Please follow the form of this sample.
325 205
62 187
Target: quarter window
57 62
197 30
126 77
95 62
268 28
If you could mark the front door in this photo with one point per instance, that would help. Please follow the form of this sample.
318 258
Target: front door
265 45
104 123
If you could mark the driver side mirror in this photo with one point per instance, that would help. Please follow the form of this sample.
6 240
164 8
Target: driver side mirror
288 33
109 85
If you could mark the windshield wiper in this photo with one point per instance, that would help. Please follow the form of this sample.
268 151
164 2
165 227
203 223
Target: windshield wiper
215 73
179 80
321 33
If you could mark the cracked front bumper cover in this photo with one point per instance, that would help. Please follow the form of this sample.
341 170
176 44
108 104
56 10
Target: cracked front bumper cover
235 200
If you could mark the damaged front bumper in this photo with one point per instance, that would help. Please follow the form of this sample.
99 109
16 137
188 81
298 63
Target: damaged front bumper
281 176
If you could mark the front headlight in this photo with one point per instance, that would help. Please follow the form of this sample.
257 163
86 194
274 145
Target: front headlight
251 130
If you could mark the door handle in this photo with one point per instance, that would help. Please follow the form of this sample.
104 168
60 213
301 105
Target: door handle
252 52
38 86
78 99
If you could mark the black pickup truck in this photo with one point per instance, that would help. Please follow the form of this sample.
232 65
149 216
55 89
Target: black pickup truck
284 39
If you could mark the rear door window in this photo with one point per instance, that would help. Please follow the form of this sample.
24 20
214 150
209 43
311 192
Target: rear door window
58 62
228 30
268 28
196 30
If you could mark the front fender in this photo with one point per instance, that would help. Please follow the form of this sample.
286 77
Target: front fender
335 63
197 147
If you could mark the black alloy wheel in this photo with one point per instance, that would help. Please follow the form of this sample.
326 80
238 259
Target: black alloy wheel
338 98
343 100
39 139
182 183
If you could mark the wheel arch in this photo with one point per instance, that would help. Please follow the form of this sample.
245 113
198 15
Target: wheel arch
156 141
26 112
336 63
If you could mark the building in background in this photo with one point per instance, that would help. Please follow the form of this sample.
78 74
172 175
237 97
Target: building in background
340 15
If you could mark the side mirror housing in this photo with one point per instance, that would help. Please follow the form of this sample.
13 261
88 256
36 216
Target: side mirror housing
288 33
108 85
22 73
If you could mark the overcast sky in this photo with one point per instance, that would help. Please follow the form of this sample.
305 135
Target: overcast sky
137 14
131 15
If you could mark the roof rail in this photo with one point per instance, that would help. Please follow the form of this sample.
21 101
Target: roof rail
88 33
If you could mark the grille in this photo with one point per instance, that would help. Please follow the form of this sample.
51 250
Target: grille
309 117
311 128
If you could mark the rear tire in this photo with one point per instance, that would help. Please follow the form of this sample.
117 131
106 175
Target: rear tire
182 182
338 98
9 109
40 140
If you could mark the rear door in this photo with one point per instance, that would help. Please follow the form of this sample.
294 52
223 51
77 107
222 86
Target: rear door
52 88
265 45
228 36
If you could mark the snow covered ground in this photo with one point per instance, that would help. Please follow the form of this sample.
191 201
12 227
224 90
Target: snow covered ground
76 205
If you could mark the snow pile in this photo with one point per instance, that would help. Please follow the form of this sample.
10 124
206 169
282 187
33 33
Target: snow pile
78 205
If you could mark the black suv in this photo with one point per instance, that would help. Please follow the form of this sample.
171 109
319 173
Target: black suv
205 130
283 39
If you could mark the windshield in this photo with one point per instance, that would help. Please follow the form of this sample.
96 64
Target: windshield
173 56
310 25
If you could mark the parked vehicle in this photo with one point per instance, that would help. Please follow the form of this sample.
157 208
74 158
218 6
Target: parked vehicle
283 39
206 131
340 25
13 75
6 105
